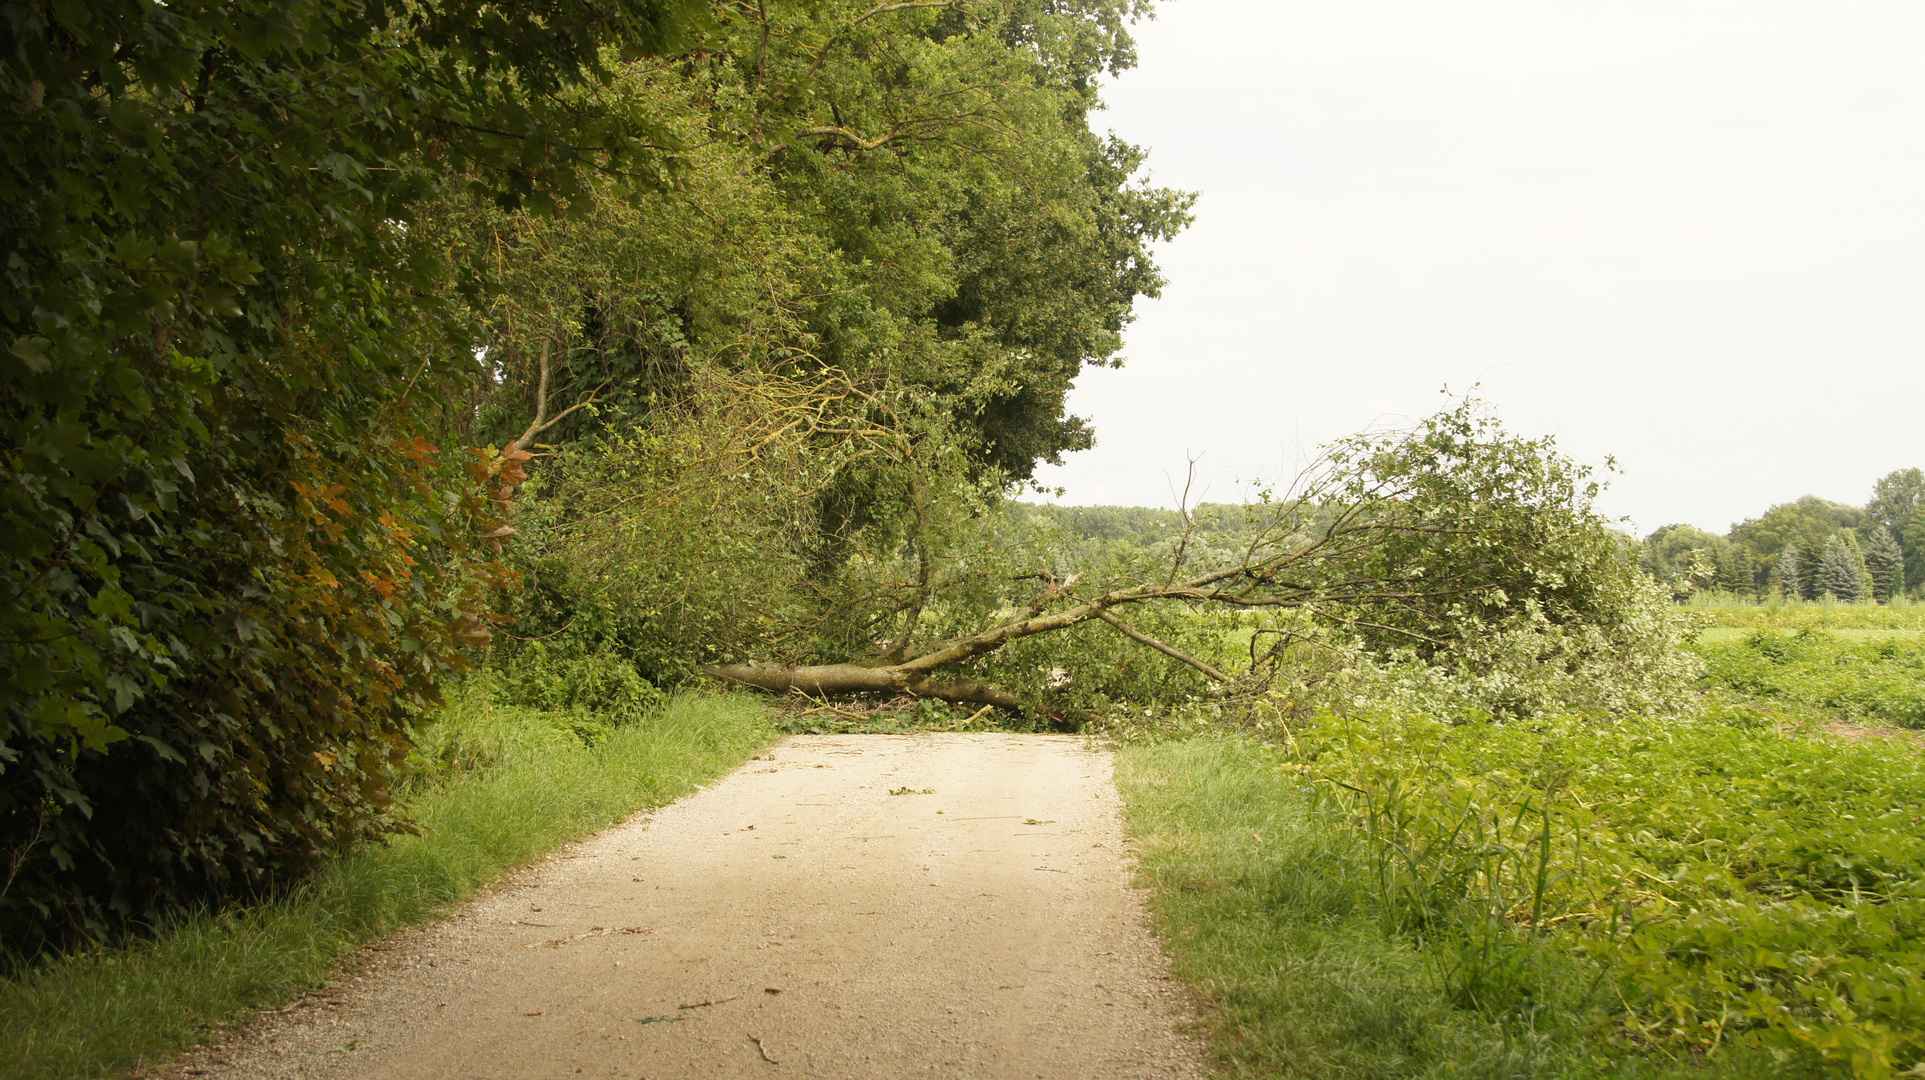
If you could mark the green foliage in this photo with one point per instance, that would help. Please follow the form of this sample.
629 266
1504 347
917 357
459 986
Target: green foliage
1841 570
507 785
1786 553
1811 669
1740 884
910 195
686 537
1885 563
1691 561
1898 504
1731 614
1717 890
235 565
892 242
1268 897
1791 575
597 688
1803 525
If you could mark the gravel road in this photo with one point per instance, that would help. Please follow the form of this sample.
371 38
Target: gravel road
859 906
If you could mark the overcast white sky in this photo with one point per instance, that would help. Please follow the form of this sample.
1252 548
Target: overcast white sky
1687 233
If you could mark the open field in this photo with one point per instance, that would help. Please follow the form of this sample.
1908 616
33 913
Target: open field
1390 897
1726 613
1734 895
1719 635
1868 676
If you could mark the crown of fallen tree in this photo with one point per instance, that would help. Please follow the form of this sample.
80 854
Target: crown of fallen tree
1400 537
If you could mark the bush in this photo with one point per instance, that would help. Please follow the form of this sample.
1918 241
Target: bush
601 686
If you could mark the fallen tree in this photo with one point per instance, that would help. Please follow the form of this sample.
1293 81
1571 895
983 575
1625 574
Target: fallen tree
1405 540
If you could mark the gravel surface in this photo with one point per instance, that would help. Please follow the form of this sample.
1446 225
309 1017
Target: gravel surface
861 906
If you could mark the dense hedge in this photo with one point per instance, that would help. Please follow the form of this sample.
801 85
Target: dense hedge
234 557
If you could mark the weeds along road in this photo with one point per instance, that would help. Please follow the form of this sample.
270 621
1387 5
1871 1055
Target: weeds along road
861 906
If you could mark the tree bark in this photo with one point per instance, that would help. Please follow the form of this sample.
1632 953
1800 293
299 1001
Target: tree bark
826 679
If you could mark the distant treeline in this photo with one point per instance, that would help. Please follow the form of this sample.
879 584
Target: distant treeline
1808 549
1142 526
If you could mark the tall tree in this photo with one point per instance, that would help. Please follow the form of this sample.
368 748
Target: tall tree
1895 495
1670 554
1841 570
235 553
1897 500
1804 524
1886 563
905 200
1791 582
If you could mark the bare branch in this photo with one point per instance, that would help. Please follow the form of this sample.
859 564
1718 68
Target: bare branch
1189 524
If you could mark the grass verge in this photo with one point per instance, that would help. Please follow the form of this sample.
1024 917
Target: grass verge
504 786
1273 898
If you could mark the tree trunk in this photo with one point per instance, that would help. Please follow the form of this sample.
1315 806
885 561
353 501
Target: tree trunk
826 679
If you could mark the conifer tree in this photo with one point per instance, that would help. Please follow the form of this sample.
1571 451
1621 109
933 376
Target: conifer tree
1789 581
1840 571
1886 561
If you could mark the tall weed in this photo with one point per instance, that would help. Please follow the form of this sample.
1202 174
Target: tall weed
1733 885
1268 894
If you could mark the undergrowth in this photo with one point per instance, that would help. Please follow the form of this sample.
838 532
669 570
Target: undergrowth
1881 679
798 715
495 787
1724 611
1405 897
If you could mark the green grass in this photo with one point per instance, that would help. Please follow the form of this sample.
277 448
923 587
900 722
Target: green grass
1865 675
1722 635
1725 611
502 787
1407 898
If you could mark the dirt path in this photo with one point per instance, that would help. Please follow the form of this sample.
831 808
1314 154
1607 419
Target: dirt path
794 919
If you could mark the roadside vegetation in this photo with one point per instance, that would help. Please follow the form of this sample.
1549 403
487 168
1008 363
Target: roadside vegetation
1389 888
1402 897
497 786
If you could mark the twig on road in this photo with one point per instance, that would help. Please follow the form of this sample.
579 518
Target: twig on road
764 1050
